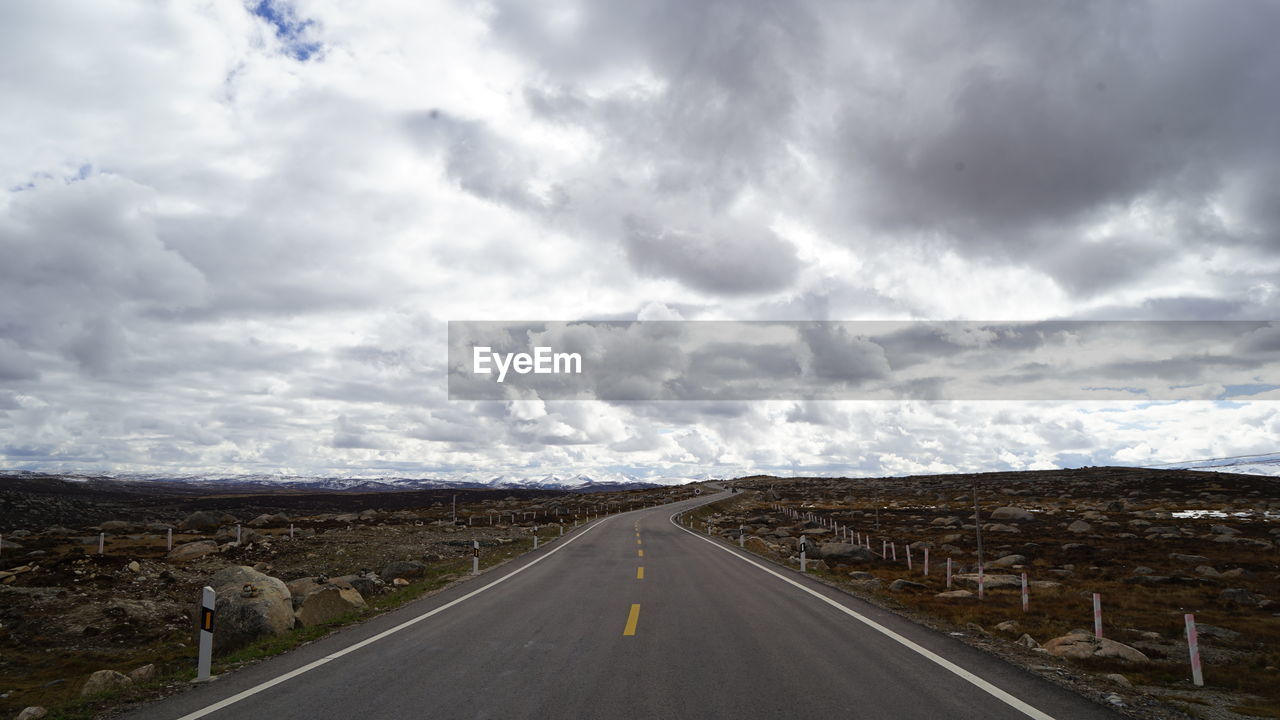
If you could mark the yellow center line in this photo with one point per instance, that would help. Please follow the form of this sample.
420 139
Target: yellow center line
632 618
640 573
641 553
638 541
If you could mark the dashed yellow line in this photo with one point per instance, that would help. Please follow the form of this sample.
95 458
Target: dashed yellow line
641 553
633 618
640 573
638 541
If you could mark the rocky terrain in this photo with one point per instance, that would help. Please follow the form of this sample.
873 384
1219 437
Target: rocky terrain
79 627
1155 545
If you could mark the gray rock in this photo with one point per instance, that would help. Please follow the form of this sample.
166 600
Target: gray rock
146 673
320 602
1240 596
844 552
1079 527
406 569
32 712
1011 513
955 595
1189 559
192 550
204 520
1027 641
1000 528
1008 626
1213 631
1081 646
367 584
901 585
1009 561
240 617
104 680
1118 679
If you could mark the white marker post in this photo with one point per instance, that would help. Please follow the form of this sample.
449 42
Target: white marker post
1193 644
204 664
475 557
237 534
802 546
561 529
742 536
1025 598
290 531
908 557
982 582
948 573
884 548
102 542
169 539
1097 615
893 548
926 561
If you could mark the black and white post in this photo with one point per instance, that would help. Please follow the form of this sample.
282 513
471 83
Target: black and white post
204 665
475 557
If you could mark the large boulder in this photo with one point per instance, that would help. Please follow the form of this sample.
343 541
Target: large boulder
756 545
250 605
104 680
367 584
1009 561
316 600
192 550
265 520
1082 646
1079 526
32 712
204 520
406 569
843 552
1011 513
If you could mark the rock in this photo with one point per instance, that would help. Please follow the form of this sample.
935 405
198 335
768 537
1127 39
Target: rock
1223 530
901 585
949 539
1000 528
1079 527
192 550
946 521
104 680
1118 679
1213 631
1027 641
133 566
320 602
1011 513
146 673
1240 596
990 581
203 520
32 712
115 526
1009 561
756 545
7 544
1208 571
844 552
403 569
868 584
1189 559
955 595
399 582
239 618
1008 626
1115 699
1081 646
861 575
367 584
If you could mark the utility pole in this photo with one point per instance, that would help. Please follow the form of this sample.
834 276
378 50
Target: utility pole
977 524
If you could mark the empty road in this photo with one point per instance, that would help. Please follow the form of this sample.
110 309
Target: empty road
632 617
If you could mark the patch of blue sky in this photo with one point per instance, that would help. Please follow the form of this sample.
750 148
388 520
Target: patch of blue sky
291 30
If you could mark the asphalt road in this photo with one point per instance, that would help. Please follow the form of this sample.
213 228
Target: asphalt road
573 631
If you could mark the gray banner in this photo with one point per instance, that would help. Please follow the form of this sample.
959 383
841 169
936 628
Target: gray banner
864 360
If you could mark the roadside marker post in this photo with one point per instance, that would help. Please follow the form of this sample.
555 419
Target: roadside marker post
926 561
982 582
802 548
948 573
893 548
102 542
290 531
742 536
237 534
204 663
908 557
1025 599
1097 615
169 539
1193 644
475 557
561 529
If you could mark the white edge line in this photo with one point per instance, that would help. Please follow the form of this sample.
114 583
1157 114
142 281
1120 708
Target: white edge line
370 640
981 684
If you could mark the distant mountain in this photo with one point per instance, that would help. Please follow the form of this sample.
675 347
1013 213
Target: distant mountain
258 482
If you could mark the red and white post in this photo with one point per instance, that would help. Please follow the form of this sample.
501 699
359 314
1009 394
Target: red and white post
1097 615
1193 644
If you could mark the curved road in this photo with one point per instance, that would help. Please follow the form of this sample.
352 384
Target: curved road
632 616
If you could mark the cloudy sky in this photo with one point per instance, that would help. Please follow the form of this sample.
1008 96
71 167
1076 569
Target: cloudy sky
232 234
